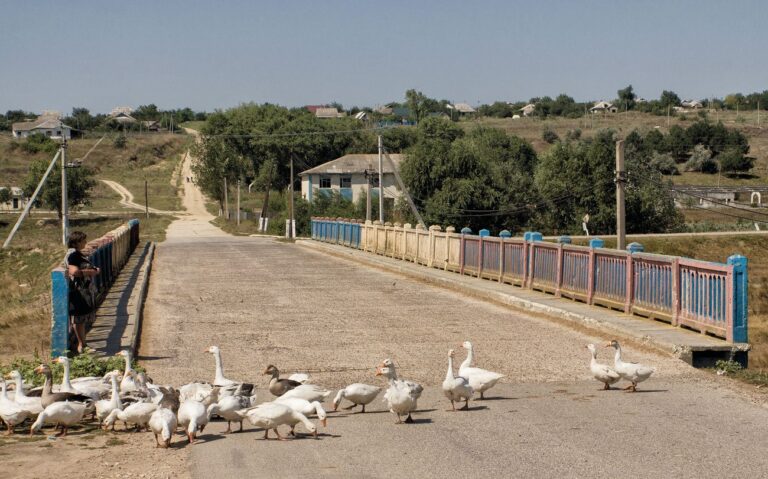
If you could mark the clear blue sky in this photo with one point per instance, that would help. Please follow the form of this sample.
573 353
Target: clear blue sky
208 55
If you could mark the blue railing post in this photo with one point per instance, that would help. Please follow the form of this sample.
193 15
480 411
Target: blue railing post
483 233
505 234
596 243
635 248
535 236
740 298
59 313
565 239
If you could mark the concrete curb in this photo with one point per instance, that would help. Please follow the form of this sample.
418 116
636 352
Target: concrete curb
660 337
137 314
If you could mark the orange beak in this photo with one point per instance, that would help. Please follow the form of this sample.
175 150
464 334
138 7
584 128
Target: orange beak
607 345
378 371
39 369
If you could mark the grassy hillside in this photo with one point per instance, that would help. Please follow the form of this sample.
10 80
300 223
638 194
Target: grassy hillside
531 129
151 157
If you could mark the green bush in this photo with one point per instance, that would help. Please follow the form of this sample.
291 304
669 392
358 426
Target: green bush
38 143
549 135
120 142
82 365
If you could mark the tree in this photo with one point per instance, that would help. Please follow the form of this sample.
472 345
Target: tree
732 161
80 182
669 99
5 195
627 97
701 160
416 102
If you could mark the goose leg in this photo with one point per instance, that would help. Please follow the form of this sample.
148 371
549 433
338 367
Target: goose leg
229 427
634 388
363 408
279 437
399 421
191 437
453 408
628 388
481 395
157 443
293 432
409 419
241 427
606 387
63 431
466 406
266 433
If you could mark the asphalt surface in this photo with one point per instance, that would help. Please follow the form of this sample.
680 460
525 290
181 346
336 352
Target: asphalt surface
267 302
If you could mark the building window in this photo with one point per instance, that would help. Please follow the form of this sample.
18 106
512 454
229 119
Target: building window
48 133
58 132
325 182
375 181
345 181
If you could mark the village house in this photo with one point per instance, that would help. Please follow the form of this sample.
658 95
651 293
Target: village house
329 112
349 175
603 107
528 109
49 125
464 109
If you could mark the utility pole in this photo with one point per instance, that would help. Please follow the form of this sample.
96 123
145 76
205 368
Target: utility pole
64 208
291 227
368 196
146 200
381 185
238 202
668 109
758 113
621 224
226 200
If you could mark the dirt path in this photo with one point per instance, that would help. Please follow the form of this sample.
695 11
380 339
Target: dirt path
127 198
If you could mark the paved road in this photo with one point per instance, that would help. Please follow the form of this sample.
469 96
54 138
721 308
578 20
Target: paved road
266 302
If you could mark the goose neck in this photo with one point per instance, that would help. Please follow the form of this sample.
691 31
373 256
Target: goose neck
470 357
449 374
617 356
19 387
219 367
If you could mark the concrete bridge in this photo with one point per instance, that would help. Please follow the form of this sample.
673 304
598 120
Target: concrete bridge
269 302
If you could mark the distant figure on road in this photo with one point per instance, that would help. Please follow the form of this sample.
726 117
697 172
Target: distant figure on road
81 296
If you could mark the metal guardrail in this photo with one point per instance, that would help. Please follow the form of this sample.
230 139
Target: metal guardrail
710 298
109 253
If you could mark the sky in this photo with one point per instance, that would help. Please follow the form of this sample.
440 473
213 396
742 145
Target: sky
215 55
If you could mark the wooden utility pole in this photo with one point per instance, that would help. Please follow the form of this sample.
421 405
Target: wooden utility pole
226 200
621 224
381 185
146 200
238 202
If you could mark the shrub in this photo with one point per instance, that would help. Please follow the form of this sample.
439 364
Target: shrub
701 161
120 142
573 135
732 161
38 143
549 135
664 163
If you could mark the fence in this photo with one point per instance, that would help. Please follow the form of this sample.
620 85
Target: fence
109 253
710 298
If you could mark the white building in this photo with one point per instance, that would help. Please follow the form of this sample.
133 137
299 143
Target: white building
47 125
17 202
348 176
528 109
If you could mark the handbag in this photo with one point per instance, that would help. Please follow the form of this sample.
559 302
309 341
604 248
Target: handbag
81 301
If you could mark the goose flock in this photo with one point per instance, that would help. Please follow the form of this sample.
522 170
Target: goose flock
133 399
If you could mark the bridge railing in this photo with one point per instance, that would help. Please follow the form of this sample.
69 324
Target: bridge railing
109 253
710 298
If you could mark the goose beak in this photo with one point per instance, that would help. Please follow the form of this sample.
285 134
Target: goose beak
266 371
378 371
39 369
608 345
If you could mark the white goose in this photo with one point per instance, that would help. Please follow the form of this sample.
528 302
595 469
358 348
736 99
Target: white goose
602 372
308 392
270 415
10 412
632 372
29 403
229 407
228 386
202 392
63 414
481 380
306 408
358 394
193 417
401 396
456 388
128 384
92 386
106 406
163 424
137 414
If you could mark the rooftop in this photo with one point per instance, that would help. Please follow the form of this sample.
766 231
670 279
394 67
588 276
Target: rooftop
354 163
